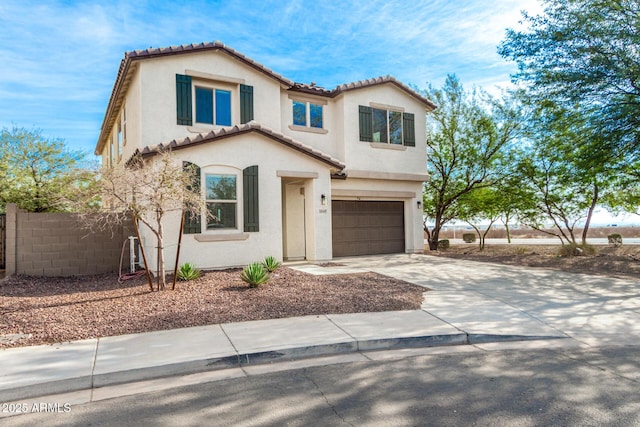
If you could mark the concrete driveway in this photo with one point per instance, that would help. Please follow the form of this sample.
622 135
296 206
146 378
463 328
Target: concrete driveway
485 298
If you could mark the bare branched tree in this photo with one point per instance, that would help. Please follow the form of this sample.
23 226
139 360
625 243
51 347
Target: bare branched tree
147 190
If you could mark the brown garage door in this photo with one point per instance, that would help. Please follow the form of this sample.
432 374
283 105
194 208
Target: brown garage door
365 228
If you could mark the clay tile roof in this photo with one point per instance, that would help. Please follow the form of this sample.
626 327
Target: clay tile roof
219 134
320 91
310 88
382 80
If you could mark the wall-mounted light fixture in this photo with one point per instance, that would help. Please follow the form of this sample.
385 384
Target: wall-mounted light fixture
419 204
323 200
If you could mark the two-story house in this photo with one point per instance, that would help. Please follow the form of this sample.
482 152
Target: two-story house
289 170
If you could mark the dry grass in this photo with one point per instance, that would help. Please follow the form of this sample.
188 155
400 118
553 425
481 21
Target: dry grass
609 261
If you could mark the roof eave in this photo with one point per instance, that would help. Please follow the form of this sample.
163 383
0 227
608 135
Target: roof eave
200 139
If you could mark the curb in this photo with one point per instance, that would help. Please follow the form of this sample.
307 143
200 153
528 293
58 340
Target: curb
256 358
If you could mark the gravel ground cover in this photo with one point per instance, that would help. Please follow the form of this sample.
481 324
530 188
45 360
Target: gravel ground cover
45 310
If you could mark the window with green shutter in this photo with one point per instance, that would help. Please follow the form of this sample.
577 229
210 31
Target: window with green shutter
192 222
183 100
366 128
387 126
246 103
250 199
409 127
221 196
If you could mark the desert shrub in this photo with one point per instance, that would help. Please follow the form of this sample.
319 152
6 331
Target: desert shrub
615 239
255 275
520 250
188 271
270 264
573 249
443 244
469 237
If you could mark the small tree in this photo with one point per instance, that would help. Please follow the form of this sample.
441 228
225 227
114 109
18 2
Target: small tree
481 205
148 190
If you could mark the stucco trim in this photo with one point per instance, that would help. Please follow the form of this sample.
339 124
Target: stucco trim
296 174
311 99
299 128
386 107
377 194
214 77
221 237
385 146
364 174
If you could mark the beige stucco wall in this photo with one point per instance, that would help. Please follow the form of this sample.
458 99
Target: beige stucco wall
158 93
361 155
328 142
151 119
231 156
132 138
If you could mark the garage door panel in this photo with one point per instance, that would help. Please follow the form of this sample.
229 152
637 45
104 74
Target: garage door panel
367 227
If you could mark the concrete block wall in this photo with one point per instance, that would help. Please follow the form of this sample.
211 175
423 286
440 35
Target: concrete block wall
57 244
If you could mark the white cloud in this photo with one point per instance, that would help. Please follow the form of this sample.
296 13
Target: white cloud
60 58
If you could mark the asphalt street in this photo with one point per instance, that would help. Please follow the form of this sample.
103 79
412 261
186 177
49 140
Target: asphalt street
565 386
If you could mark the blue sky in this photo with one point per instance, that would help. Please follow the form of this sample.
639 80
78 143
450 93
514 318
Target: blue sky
60 58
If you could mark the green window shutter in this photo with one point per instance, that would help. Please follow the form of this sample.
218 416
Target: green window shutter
183 100
366 128
192 222
246 103
250 198
409 129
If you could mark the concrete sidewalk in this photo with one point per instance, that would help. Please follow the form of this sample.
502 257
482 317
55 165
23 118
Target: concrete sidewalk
472 304
45 370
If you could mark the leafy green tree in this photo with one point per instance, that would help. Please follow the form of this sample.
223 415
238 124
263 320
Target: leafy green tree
585 51
626 197
484 204
559 173
40 174
467 135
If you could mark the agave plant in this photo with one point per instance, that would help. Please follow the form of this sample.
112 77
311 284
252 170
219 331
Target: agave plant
188 271
255 275
271 264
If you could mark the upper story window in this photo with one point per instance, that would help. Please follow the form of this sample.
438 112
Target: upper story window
120 140
124 126
213 106
307 114
387 126
221 201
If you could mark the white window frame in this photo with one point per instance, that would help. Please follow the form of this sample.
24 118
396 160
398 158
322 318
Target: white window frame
307 127
238 183
213 86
